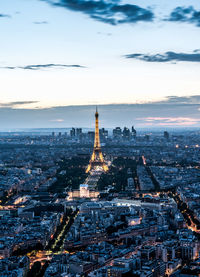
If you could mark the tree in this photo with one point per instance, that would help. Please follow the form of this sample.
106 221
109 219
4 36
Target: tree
35 270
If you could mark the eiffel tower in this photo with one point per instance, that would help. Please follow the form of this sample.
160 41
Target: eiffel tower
97 156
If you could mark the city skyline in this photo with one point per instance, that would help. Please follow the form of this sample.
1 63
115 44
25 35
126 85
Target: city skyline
57 56
99 138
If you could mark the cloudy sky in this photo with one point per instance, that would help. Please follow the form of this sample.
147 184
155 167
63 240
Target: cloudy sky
139 61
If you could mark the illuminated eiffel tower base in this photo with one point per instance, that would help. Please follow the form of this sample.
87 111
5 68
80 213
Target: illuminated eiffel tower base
97 160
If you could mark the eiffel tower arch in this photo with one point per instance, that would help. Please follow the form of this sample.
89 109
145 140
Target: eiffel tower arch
97 156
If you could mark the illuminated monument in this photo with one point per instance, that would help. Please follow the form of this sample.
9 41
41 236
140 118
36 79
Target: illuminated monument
97 160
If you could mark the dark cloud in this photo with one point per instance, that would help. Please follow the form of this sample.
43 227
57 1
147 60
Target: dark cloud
172 111
4 15
40 22
185 14
166 57
194 99
107 11
43 66
16 103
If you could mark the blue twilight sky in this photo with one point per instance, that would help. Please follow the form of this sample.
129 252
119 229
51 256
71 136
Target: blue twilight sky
55 54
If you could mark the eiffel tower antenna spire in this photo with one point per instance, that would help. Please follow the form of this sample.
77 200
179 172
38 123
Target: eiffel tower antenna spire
97 156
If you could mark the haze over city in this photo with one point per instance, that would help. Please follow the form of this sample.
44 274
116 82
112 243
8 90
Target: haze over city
139 62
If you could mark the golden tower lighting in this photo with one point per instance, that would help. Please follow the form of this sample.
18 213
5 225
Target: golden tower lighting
97 156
